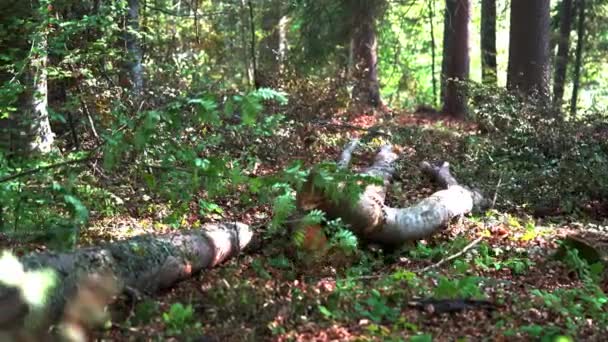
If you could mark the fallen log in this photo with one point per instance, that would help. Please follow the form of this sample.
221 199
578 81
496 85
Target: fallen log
143 264
373 220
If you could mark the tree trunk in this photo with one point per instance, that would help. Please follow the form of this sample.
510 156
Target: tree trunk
244 27
371 219
457 64
431 7
579 56
488 42
272 46
28 129
144 264
563 49
133 65
366 90
41 136
252 43
529 55
450 8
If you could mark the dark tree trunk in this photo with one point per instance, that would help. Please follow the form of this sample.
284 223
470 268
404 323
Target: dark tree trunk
529 55
457 64
450 8
367 88
488 42
272 46
431 5
563 48
579 56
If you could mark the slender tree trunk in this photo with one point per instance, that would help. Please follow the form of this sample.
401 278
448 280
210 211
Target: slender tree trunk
283 43
450 8
431 4
367 88
488 42
134 59
247 58
252 43
579 56
457 66
563 49
529 55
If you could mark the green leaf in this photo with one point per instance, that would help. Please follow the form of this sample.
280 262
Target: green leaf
80 212
422 338
325 311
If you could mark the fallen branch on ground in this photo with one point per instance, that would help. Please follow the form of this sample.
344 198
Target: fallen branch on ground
373 220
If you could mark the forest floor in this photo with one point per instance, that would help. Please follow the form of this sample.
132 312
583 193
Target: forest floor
505 260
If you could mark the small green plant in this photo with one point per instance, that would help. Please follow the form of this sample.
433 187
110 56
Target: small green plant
466 287
488 258
376 308
144 312
576 305
180 319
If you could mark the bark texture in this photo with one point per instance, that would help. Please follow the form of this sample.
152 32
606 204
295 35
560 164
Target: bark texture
143 264
28 129
371 219
273 46
450 8
366 90
579 56
563 48
134 57
488 42
529 55
457 60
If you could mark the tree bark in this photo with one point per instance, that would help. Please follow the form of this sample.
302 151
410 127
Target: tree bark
133 65
272 46
450 8
529 55
488 42
563 49
457 64
431 8
28 129
366 90
579 56
374 221
144 264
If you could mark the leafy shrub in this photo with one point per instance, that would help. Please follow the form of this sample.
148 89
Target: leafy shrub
539 158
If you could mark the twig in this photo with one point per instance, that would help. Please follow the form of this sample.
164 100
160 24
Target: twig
496 191
454 256
87 112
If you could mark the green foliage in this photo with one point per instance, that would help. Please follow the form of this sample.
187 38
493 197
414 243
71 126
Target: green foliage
538 158
145 311
180 319
577 305
377 308
466 287
495 258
